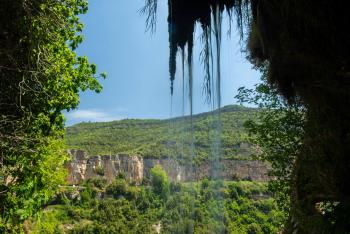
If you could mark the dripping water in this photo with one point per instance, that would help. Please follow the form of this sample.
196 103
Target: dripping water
212 67
216 147
216 151
217 32
183 80
183 107
213 86
191 129
183 101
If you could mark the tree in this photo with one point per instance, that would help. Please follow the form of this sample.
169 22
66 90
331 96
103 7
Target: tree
160 181
277 132
40 76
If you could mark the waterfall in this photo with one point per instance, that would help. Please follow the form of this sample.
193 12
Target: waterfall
183 100
211 58
216 151
216 141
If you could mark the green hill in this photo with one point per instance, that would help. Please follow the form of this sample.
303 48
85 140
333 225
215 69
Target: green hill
164 138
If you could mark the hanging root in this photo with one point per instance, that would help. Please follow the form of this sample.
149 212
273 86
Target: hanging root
184 14
183 80
172 66
150 9
205 59
217 13
190 72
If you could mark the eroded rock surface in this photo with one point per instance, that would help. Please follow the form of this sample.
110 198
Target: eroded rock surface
136 168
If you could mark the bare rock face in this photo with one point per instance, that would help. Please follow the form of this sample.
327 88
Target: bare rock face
136 168
82 167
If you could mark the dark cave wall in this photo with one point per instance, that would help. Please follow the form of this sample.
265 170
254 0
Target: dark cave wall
307 46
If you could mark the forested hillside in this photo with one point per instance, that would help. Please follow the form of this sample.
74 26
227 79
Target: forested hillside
208 207
171 137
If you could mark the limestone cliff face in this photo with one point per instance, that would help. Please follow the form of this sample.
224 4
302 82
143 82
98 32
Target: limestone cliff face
136 168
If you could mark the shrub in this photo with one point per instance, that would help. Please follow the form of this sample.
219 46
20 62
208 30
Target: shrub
160 182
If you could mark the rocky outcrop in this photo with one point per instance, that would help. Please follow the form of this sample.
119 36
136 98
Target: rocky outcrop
136 168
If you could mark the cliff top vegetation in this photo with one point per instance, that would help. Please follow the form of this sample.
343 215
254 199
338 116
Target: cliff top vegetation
166 138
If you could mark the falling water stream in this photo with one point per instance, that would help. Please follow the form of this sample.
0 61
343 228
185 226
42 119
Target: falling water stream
215 136
213 88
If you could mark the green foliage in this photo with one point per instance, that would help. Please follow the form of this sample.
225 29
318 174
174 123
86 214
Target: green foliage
99 170
165 138
121 189
34 183
40 76
51 220
278 131
160 182
196 207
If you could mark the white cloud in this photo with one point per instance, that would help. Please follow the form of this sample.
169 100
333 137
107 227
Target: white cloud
92 115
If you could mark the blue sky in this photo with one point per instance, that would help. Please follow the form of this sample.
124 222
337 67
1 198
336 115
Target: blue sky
136 63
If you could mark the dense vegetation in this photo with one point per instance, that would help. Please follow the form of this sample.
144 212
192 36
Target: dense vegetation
160 138
278 129
40 75
200 207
